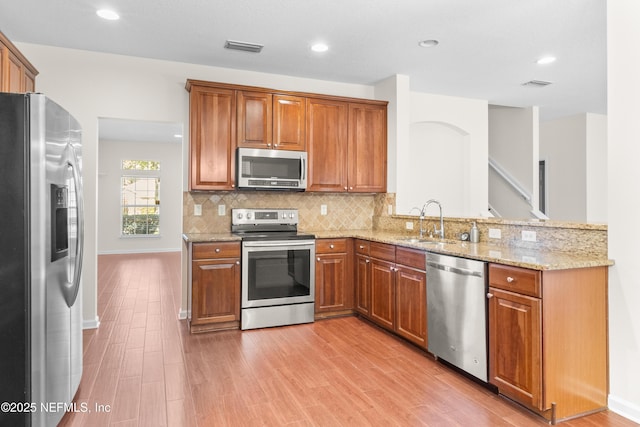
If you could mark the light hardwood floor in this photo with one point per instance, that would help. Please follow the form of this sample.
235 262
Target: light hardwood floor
143 368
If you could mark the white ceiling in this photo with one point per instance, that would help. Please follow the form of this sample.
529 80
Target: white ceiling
487 48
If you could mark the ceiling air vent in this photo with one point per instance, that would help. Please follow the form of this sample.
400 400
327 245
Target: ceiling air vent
536 83
244 46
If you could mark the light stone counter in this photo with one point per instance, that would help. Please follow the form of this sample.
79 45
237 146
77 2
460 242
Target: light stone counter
537 259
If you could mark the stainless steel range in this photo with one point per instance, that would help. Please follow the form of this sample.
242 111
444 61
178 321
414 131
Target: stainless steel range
278 268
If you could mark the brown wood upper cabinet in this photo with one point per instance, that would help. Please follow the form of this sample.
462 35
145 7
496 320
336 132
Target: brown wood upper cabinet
212 114
17 74
347 144
272 121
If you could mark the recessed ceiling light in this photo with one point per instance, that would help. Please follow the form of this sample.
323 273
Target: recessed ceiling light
546 60
428 43
319 47
108 14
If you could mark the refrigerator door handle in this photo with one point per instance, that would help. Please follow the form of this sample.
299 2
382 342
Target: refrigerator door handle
77 269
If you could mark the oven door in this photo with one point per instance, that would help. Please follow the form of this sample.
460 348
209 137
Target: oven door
278 272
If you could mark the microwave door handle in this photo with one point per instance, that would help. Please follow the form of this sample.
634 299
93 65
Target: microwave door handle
303 167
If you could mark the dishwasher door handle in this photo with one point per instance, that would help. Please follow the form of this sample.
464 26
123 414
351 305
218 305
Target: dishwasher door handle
457 270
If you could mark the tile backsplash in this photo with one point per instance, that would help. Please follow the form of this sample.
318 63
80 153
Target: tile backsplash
344 211
355 211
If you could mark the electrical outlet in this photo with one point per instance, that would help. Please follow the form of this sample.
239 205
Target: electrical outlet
495 233
528 236
222 210
323 209
408 225
197 210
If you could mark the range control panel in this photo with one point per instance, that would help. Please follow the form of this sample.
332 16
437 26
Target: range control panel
264 216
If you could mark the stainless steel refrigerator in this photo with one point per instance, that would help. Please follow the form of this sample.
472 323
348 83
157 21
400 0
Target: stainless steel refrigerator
41 229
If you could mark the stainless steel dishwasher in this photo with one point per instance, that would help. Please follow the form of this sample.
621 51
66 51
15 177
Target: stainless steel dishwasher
457 312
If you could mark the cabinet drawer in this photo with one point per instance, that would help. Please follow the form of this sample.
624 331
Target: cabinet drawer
515 279
383 251
411 257
216 250
330 246
362 247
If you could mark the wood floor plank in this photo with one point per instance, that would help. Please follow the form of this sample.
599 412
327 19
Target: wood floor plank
148 370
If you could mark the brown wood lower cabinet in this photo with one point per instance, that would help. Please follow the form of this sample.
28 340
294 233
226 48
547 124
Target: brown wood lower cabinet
548 338
215 286
334 277
391 288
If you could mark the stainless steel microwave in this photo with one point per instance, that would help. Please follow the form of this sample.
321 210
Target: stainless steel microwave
259 169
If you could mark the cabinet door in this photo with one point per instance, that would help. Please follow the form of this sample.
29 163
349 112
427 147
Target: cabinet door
367 148
16 74
332 283
382 293
215 291
363 284
212 119
327 145
289 122
254 119
515 365
411 304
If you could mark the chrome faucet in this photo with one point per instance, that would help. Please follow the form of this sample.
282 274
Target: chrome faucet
437 232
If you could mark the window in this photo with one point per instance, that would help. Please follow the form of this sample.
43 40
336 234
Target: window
140 198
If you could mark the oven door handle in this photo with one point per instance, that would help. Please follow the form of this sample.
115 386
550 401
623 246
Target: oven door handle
277 244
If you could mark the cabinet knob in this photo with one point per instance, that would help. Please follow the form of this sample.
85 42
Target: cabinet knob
510 279
489 295
237 262
217 250
331 246
367 261
345 188
350 188
268 144
275 145
318 259
361 247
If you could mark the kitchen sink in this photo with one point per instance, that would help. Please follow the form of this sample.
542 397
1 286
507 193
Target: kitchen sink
423 241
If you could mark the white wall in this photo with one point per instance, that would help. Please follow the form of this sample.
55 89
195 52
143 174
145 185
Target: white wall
623 35
563 147
92 85
110 155
445 156
597 168
575 151
514 145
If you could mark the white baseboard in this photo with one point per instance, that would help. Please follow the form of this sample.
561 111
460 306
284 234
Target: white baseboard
139 251
624 408
91 324
182 314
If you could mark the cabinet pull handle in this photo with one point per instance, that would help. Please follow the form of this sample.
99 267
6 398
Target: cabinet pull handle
331 246
510 279
217 250
489 295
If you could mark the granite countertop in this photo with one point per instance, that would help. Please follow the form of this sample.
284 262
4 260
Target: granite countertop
508 255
